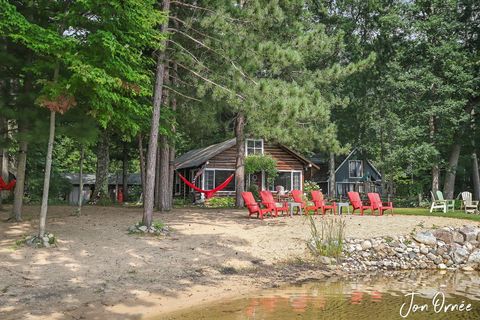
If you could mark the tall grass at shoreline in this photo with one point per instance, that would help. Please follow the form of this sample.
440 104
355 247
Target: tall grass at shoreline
328 239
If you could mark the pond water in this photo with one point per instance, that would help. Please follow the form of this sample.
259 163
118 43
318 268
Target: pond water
372 296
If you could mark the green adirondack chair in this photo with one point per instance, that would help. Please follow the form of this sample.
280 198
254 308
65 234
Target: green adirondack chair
437 204
449 203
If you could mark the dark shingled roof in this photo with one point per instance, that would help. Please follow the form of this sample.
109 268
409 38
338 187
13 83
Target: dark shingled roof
197 157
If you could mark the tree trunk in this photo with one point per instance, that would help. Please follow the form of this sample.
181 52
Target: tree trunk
80 181
332 183
46 181
142 163
171 162
164 154
153 138
21 166
476 176
103 161
156 193
125 172
449 186
435 167
240 159
435 178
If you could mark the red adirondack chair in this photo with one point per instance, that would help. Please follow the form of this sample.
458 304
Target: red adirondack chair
319 202
269 203
253 207
377 203
298 197
357 203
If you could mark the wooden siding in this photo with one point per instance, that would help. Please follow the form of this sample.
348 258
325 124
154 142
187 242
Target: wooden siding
285 160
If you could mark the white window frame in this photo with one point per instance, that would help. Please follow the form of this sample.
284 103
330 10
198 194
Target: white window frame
214 177
361 172
291 179
254 140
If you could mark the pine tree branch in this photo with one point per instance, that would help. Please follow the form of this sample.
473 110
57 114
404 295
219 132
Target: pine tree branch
181 94
214 51
205 9
210 81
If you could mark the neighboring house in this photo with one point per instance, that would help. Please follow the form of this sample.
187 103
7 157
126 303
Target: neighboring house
353 173
114 181
219 160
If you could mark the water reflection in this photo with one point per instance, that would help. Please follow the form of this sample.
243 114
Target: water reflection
363 297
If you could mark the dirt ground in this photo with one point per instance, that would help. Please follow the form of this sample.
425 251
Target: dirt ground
99 271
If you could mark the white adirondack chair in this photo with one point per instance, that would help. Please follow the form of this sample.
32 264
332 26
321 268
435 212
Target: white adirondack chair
470 205
438 204
450 203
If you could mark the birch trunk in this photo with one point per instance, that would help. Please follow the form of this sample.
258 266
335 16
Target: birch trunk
240 159
46 181
164 154
171 162
153 138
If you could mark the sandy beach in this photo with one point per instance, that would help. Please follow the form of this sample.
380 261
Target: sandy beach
99 271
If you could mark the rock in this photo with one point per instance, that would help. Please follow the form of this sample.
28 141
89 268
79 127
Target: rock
467 268
399 250
358 247
474 256
143 228
412 255
325 260
431 256
442 266
449 263
425 237
416 250
438 260
459 255
366 245
424 250
444 235
469 246
458 237
469 233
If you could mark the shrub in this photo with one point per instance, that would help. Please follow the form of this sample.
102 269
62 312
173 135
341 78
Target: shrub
220 202
258 163
253 188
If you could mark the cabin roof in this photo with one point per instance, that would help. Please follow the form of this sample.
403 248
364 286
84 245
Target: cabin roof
197 157
90 178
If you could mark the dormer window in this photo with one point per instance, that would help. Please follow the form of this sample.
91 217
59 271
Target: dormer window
254 146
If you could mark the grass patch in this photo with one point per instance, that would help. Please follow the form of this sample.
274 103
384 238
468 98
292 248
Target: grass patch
426 212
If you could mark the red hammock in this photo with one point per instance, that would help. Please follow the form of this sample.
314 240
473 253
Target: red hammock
9 186
208 193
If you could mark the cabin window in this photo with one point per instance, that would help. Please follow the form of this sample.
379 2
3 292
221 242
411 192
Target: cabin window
290 180
355 168
254 146
213 178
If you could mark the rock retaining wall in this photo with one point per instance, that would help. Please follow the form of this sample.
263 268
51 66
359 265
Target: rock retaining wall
445 248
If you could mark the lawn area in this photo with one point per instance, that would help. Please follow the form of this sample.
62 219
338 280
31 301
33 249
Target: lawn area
458 214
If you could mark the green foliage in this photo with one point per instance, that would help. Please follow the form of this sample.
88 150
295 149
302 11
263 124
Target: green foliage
220 202
253 188
258 163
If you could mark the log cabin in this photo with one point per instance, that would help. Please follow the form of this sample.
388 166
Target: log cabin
217 163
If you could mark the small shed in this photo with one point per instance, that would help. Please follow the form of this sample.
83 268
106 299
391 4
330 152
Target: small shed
89 179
